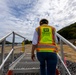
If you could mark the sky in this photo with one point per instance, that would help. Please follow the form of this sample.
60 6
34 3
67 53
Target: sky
23 16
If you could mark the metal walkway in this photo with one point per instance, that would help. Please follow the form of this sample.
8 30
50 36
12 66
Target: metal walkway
23 65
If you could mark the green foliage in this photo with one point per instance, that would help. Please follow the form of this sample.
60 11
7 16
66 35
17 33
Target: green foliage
6 42
68 32
28 42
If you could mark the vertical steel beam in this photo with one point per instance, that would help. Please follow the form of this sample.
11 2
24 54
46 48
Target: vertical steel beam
61 48
13 42
24 44
62 55
2 50
2 54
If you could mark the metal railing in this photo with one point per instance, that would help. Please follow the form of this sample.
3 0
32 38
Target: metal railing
11 53
63 40
62 66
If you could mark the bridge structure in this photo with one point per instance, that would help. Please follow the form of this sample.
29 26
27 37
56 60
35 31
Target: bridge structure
20 63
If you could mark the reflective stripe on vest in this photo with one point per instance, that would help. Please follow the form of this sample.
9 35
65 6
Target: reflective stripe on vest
46 48
46 42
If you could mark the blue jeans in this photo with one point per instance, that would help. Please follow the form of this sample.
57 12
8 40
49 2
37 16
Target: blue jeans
48 62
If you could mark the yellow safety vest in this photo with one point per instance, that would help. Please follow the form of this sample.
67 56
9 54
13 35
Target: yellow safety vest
46 39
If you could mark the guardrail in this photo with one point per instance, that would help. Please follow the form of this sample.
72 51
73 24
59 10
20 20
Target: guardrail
62 39
11 53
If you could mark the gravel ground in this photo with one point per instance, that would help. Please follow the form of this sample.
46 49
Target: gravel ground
70 65
6 66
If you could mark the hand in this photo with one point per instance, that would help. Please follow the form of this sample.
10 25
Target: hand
33 57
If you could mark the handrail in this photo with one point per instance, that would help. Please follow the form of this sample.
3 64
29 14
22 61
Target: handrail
62 39
66 41
11 52
5 37
6 58
9 35
19 35
63 64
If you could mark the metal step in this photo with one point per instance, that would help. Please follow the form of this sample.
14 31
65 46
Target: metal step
26 66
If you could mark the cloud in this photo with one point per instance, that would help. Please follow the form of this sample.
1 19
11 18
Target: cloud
23 16
18 8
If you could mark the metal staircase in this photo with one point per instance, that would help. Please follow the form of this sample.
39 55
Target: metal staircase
23 65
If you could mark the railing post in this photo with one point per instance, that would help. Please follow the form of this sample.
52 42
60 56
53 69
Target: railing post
13 42
62 55
24 44
2 53
61 47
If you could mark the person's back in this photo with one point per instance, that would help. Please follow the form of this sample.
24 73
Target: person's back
46 48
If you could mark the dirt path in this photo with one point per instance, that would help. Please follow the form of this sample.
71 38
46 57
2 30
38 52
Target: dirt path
69 53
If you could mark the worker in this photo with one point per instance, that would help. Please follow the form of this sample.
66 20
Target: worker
44 42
